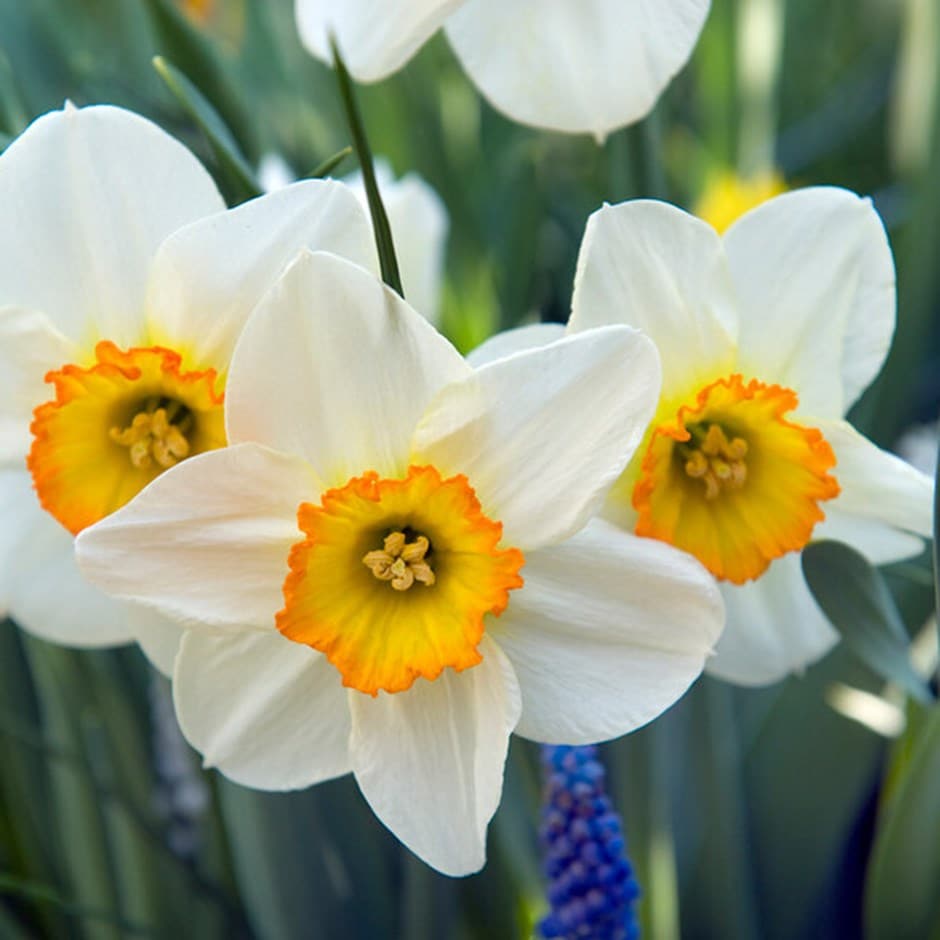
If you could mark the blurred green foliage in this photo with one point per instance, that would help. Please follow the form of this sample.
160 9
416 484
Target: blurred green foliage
750 813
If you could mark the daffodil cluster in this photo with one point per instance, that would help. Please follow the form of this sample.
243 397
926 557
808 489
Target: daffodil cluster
355 550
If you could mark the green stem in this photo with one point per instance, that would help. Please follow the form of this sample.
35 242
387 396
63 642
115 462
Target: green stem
383 232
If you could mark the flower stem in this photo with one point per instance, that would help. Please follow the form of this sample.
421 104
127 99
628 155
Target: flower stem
383 231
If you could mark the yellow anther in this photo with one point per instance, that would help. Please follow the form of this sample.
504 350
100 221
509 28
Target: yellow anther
152 437
401 562
715 460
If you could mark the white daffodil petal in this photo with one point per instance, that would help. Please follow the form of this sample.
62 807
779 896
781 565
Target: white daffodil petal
608 631
19 511
418 220
508 342
542 435
335 367
157 636
88 196
46 592
269 713
815 280
30 346
774 627
575 65
375 37
430 760
206 543
876 485
878 541
199 301
656 268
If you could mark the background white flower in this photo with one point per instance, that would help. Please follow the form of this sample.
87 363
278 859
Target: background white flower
800 293
567 65
114 238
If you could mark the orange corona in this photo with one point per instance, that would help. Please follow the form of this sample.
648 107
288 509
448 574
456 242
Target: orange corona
394 578
730 480
115 426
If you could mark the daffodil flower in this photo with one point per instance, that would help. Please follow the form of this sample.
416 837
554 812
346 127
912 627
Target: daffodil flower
123 286
391 567
767 337
568 65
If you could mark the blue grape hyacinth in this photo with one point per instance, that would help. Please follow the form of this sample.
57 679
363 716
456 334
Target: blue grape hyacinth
591 887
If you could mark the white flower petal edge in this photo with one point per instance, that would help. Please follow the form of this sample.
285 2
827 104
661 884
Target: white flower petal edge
88 195
47 594
608 631
157 636
419 223
355 369
656 268
774 628
878 541
268 712
575 65
430 760
877 486
530 336
542 434
816 287
199 301
206 543
375 37
29 347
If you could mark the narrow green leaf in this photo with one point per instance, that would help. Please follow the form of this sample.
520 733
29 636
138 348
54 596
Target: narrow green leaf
855 598
11 885
901 895
191 48
380 225
13 116
234 167
330 164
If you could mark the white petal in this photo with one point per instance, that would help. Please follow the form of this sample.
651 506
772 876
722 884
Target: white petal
209 276
876 486
430 760
157 636
335 367
508 342
575 65
30 346
88 195
878 541
774 627
542 435
46 592
418 220
656 268
19 512
815 281
376 37
268 712
206 543
608 631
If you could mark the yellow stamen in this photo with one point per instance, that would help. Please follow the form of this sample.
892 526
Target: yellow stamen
716 461
151 437
401 563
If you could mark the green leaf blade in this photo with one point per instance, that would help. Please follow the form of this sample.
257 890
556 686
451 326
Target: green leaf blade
855 598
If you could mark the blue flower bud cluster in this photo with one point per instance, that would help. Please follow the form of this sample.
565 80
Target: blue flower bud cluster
591 887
